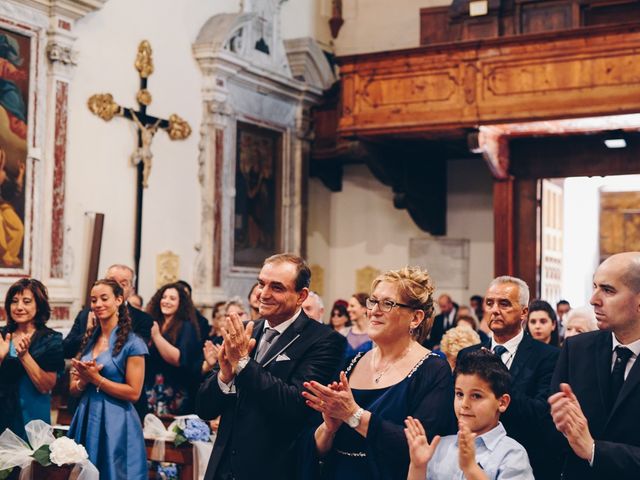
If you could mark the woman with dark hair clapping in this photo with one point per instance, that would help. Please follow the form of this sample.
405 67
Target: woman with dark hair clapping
30 357
108 374
176 352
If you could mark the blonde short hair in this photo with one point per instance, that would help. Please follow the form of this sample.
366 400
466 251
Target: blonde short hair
415 288
457 338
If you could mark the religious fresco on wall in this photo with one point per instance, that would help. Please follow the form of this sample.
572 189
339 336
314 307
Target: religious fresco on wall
14 100
257 204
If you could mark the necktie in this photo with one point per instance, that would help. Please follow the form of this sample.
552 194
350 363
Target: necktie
623 355
267 338
499 350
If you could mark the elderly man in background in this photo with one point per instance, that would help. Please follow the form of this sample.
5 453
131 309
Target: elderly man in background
313 306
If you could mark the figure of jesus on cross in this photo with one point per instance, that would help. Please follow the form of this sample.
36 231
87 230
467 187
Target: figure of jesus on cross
106 108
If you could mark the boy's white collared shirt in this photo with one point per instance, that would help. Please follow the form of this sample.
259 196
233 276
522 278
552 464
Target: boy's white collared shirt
501 458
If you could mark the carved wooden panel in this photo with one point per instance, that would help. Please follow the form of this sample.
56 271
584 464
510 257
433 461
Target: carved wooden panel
531 77
537 17
431 26
619 222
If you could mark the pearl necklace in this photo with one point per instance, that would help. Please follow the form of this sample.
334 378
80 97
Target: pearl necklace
378 374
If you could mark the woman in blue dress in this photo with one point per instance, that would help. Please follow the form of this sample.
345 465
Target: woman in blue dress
30 357
362 436
108 373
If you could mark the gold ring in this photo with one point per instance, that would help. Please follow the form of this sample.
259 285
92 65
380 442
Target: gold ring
321 403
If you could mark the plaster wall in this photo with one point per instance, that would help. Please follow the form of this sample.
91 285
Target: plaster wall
359 227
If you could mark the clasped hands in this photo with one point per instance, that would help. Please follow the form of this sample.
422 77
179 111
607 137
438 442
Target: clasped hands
237 344
570 421
335 401
86 372
21 346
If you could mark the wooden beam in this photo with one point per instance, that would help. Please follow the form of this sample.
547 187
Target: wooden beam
503 80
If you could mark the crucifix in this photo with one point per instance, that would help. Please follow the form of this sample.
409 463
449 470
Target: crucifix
105 107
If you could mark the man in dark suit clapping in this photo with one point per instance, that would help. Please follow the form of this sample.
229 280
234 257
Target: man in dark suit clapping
597 379
531 364
257 387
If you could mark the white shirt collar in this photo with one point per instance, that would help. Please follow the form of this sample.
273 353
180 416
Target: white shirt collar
633 346
284 325
511 345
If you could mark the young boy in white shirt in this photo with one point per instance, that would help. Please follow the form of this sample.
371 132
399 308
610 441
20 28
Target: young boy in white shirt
481 449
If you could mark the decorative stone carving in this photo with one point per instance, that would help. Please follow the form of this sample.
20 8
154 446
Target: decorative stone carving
364 278
61 53
167 268
317 279
250 76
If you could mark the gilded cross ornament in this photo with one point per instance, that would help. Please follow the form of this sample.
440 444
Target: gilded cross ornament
104 106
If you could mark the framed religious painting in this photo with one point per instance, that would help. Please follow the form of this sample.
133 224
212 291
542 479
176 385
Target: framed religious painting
258 200
15 78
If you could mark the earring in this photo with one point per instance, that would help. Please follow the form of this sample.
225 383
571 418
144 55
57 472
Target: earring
412 331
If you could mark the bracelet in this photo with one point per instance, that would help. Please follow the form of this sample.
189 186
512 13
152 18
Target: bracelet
78 386
99 384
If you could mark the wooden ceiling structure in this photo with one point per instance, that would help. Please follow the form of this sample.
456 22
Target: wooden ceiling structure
533 101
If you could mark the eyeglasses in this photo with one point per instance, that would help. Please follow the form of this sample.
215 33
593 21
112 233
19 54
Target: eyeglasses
385 305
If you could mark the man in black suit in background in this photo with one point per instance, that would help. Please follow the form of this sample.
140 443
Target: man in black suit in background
531 364
141 323
442 322
598 379
258 390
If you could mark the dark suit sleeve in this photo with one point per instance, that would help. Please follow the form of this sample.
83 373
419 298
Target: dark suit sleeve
283 400
210 401
561 371
533 405
616 460
71 343
141 323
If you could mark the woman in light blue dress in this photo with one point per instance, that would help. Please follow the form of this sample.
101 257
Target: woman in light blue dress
109 374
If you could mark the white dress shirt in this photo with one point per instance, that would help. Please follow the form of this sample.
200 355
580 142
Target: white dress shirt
633 346
511 346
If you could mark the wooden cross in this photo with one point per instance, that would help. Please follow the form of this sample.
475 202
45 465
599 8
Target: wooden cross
105 107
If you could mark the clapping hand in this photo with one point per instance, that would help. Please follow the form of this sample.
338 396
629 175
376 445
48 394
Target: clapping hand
87 371
335 400
210 352
237 339
466 448
22 346
570 421
420 450
5 344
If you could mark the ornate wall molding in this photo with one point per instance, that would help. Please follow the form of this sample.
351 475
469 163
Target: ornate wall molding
249 77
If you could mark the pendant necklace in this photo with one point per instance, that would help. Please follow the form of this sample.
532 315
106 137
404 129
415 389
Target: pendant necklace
378 374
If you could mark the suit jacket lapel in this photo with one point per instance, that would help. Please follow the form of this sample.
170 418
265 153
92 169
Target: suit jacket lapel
285 338
258 330
629 384
603 368
522 355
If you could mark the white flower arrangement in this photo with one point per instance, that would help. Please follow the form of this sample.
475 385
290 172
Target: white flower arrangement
64 451
42 447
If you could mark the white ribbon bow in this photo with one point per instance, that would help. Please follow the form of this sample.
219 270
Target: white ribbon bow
15 452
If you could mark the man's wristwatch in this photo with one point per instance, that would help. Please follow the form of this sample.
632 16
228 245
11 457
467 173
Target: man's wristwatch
241 364
354 420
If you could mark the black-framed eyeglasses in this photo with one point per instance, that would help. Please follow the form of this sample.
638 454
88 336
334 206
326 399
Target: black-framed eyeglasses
385 305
